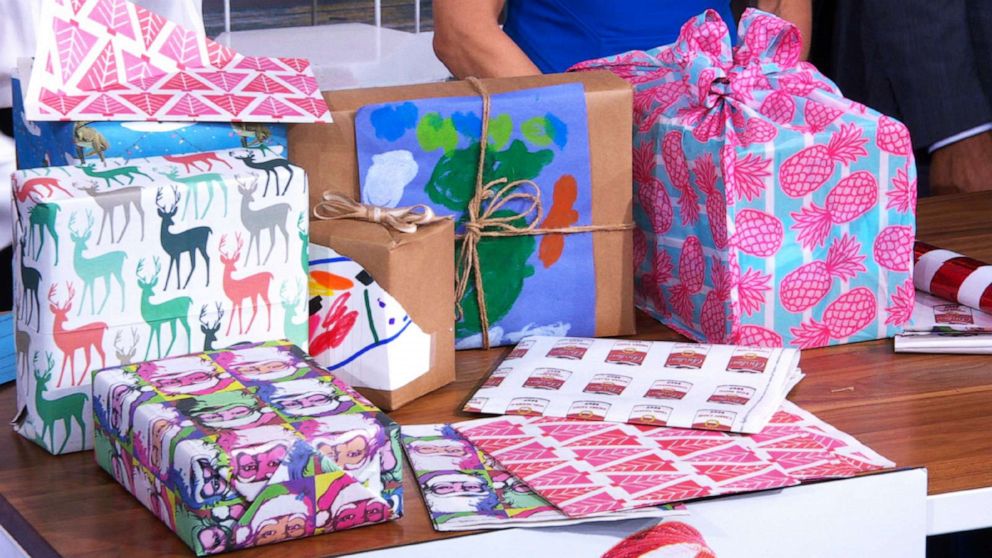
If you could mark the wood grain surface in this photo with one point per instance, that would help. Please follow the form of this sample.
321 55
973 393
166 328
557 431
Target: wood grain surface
918 410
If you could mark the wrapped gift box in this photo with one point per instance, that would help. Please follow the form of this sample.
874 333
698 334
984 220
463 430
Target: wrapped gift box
420 144
244 447
52 144
144 259
381 307
771 210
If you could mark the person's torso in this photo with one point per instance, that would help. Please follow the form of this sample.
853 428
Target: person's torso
556 34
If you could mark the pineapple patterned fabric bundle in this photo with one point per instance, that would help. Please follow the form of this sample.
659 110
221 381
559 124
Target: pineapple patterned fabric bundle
770 209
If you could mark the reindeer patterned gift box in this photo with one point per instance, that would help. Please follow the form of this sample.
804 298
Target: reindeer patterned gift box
244 447
771 210
145 259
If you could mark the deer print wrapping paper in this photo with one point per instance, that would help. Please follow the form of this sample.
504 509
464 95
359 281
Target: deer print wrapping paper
143 259
53 144
244 447
770 209
465 489
381 312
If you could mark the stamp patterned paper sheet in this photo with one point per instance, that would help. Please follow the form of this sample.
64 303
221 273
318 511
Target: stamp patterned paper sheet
465 489
686 385
585 467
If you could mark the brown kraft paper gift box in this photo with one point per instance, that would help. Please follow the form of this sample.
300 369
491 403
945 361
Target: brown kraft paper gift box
390 361
328 153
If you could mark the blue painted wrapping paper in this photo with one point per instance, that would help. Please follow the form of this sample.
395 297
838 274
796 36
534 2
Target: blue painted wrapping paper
771 210
426 151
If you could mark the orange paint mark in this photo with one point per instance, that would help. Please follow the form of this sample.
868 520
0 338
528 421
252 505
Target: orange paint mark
560 215
323 283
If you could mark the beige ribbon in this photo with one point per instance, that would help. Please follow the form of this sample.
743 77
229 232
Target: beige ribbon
481 223
403 219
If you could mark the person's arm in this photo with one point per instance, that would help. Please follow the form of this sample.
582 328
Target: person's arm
470 42
798 12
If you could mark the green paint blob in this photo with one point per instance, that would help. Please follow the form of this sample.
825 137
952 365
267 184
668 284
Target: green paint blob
434 132
500 129
536 130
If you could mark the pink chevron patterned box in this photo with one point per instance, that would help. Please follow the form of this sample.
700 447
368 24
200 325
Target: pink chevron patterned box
134 260
770 209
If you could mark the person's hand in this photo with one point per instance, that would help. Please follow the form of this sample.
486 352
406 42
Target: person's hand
963 166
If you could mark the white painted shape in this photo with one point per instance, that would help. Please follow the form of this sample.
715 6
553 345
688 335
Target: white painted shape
388 366
388 176
156 127
9 547
927 267
974 285
882 516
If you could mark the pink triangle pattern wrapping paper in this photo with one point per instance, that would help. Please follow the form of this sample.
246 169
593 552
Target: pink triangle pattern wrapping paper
113 60
585 467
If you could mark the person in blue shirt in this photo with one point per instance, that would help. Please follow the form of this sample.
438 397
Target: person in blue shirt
545 36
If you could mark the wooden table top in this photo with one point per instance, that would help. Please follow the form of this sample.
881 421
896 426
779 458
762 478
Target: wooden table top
918 410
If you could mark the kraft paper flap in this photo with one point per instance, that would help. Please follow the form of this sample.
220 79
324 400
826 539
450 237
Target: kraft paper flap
327 153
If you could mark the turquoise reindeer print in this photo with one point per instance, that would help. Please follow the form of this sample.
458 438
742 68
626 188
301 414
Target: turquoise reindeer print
89 270
295 331
209 181
51 411
173 311
42 217
114 174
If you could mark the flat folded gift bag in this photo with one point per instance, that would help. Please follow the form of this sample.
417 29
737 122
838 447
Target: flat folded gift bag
239 448
770 209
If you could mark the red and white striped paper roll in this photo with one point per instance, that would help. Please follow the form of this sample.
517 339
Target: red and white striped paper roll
952 276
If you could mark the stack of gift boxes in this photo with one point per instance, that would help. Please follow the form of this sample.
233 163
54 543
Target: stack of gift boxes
170 232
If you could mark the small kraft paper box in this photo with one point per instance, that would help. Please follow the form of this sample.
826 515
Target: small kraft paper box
381 307
243 447
771 210
171 90
556 159
146 259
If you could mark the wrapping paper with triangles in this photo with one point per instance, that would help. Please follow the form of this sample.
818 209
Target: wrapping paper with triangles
113 60
585 467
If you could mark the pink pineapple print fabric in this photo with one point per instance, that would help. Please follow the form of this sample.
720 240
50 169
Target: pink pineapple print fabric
771 210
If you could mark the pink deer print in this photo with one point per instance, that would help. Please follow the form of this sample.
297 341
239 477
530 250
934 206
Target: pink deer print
848 314
253 287
850 199
87 337
809 169
806 286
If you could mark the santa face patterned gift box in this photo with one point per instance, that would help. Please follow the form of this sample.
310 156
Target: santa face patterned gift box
771 210
141 260
245 447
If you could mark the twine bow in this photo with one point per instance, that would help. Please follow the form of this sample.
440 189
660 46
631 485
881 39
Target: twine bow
402 219
480 221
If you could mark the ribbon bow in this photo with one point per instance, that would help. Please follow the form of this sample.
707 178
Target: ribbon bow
480 222
402 219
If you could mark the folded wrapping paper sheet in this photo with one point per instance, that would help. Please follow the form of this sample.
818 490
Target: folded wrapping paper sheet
686 385
240 448
113 60
586 467
465 489
148 258
942 326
